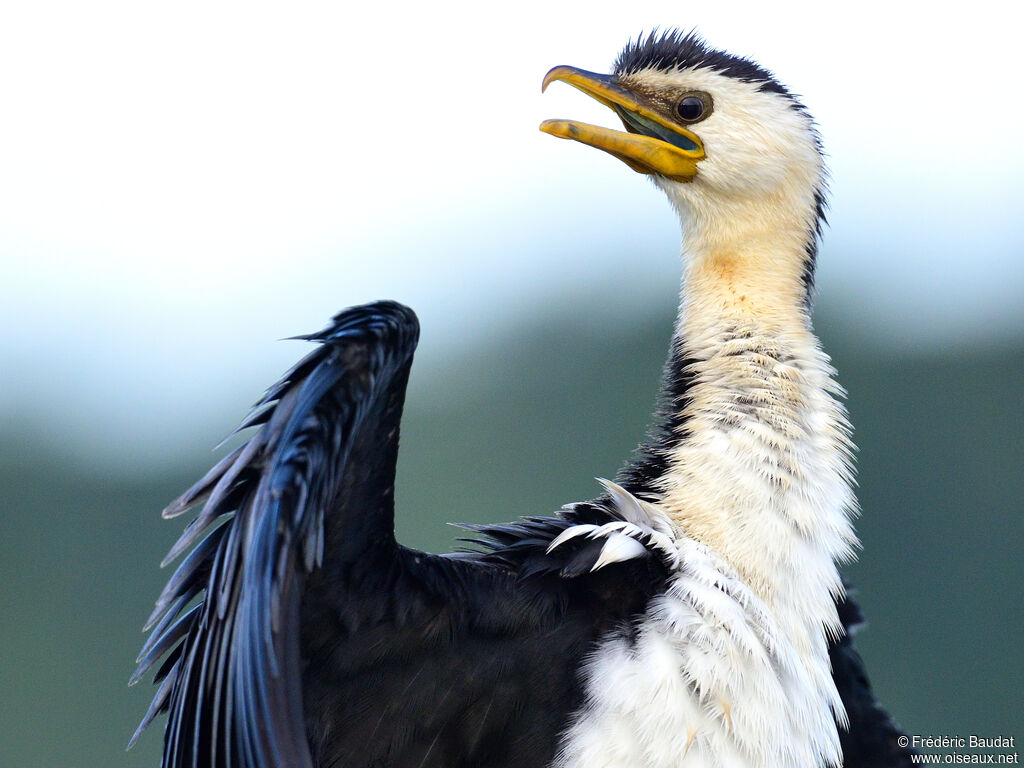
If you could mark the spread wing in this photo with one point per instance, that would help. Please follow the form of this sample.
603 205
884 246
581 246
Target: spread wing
326 446
297 632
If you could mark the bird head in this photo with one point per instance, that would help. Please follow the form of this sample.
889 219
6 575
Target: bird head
718 133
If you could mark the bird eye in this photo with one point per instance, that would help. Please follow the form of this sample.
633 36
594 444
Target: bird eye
692 108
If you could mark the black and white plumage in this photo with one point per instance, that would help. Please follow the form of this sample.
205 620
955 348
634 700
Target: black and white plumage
691 615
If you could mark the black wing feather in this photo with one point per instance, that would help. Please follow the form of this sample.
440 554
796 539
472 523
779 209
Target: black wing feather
233 691
873 738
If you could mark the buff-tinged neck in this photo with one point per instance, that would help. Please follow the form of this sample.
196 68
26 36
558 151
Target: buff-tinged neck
761 468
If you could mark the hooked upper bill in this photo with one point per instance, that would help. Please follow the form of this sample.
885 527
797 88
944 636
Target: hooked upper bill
653 144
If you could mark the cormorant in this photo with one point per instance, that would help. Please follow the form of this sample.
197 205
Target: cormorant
690 615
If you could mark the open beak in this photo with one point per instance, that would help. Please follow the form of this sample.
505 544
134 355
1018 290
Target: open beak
653 144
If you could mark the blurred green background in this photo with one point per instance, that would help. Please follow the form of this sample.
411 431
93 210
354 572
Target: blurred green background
521 425
181 184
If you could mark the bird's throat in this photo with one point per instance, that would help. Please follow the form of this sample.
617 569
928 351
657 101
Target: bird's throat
755 287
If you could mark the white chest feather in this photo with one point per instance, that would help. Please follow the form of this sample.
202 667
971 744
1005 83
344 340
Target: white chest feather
708 679
729 667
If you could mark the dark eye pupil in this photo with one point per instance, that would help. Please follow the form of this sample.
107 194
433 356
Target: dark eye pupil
690 108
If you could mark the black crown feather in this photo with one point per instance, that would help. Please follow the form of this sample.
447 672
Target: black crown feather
675 49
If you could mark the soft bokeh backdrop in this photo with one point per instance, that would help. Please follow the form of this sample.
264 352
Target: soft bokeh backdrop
182 184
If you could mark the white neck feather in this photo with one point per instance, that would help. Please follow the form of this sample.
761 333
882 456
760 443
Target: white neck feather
763 409
763 474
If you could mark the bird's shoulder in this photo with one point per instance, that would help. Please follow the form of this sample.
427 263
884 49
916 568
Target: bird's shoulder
436 659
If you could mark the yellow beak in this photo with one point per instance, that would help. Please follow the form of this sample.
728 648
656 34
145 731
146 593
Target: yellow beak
654 145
